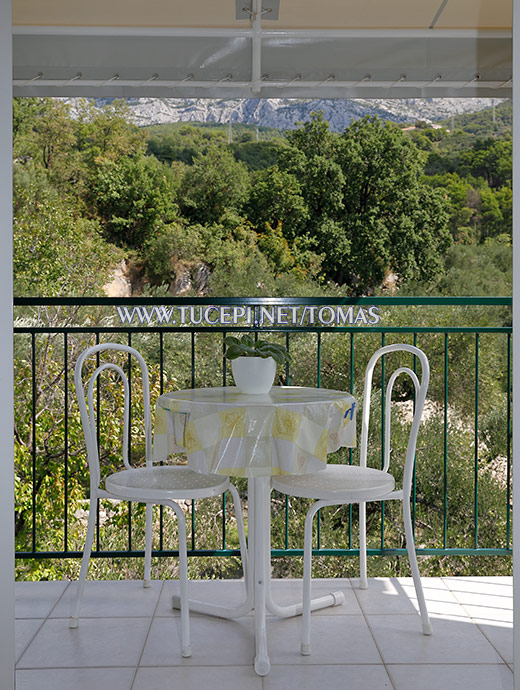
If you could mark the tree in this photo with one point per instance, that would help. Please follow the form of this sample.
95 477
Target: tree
107 131
489 158
55 252
312 160
393 220
214 183
476 210
276 197
132 197
25 110
370 212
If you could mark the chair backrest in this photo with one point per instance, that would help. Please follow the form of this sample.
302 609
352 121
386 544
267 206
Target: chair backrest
421 388
88 415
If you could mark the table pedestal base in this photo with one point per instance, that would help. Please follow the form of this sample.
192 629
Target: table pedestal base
258 580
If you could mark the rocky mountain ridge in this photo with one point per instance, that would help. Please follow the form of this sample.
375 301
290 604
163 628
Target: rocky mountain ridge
283 113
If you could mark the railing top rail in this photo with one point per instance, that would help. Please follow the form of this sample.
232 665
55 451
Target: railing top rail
261 301
274 329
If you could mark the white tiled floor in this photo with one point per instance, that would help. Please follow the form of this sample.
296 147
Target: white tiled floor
129 638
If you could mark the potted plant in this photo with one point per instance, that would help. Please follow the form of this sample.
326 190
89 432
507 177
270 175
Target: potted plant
253 363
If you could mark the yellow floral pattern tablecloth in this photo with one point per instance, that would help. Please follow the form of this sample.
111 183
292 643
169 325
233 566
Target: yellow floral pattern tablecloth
222 431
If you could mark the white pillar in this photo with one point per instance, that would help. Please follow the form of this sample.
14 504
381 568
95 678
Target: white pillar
516 341
6 358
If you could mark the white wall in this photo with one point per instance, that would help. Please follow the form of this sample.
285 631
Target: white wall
6 360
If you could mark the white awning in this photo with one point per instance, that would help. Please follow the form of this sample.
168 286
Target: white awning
284 48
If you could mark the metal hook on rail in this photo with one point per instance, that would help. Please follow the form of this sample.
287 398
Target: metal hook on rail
438 77
147 81
400 80
68 81
472 81
36 78
228 77
508 82
109 81
181 81
366 78
331 77
297 77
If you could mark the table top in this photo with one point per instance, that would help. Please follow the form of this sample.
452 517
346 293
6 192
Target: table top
288 431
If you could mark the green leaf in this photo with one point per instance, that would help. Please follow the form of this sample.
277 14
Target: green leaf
234 351
231 340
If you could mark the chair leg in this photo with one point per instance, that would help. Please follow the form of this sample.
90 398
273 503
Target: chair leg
147 581
85 561
363 581
412 556
183 580
240 527
307 575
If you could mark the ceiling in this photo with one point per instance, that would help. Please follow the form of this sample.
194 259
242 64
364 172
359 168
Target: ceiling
283 48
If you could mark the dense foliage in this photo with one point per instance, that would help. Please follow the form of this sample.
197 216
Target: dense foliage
290 212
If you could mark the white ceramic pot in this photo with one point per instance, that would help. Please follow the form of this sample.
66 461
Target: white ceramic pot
254 375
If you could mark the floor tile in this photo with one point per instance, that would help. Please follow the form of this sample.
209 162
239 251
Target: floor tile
37 599
500 635
214 642
454 640
488 613
110 599
477 580
465 588
75 679
486 597
471 646
347 677
97 642
25 630
384 595
439 599
334 640
451 677
216 678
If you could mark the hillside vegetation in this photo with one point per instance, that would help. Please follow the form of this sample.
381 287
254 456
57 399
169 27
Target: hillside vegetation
301 212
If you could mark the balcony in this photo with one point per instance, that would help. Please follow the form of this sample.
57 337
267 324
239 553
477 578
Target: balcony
128 638
373 641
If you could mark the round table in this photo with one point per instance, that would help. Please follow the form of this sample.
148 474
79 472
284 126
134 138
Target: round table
288 431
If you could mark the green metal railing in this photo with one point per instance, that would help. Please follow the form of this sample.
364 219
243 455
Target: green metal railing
71 322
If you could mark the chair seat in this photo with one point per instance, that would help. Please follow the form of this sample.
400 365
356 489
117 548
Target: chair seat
344 483
165 482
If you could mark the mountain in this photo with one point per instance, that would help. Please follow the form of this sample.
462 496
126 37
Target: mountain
283 113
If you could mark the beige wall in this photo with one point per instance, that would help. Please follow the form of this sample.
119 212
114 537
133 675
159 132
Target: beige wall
333 14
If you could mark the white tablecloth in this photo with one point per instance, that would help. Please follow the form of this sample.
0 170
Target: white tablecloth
288 431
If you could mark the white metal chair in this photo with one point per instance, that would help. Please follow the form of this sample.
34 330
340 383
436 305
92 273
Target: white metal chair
345 484
152 484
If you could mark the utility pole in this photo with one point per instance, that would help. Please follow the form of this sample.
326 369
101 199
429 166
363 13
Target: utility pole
230 132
